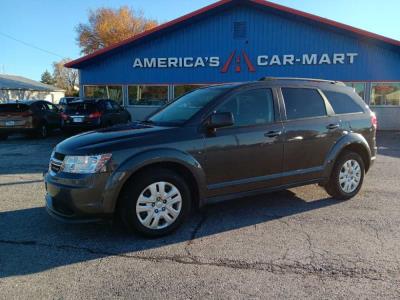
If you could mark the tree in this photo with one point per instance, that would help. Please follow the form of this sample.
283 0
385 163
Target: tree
46 78
108 26
65 78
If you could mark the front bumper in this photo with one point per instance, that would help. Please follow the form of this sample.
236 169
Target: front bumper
76 198
53 212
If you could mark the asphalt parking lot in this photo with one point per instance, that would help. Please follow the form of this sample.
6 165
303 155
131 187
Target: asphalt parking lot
292 244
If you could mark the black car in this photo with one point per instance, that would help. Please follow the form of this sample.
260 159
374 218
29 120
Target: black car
34 117
64 101
213 144
91 114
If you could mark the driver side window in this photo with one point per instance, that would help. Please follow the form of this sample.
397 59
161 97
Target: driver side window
253 107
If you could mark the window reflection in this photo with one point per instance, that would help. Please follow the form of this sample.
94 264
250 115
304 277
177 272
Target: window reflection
113 92
147 94
180 90
385 94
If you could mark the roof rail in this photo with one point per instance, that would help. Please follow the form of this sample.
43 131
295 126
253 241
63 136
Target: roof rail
302 79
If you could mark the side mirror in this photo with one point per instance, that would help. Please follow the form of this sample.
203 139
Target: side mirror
222 119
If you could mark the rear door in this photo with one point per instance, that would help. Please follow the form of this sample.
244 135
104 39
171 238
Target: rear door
247 155
310 131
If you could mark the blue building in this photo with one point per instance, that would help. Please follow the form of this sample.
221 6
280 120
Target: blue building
242 40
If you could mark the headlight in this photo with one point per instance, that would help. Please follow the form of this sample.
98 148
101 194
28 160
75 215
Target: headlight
85 164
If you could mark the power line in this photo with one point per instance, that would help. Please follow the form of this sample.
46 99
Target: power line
30 45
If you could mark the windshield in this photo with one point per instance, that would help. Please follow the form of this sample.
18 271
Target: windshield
185 107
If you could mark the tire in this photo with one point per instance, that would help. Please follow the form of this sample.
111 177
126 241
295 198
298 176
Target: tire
3 136
347 176
42 131
150 214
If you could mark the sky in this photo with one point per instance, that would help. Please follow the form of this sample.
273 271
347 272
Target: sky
50 24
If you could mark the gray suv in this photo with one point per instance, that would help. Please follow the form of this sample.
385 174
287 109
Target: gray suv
212 144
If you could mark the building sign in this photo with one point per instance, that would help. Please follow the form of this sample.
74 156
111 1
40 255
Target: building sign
237 59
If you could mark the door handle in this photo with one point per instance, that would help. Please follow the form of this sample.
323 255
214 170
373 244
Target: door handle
273 133
333 126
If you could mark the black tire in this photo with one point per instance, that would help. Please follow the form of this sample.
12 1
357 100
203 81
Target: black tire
333 187
42 131
3 136
133 189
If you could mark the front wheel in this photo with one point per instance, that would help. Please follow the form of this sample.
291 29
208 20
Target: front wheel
347 176
156 203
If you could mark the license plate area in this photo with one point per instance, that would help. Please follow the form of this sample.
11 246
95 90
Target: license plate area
77 119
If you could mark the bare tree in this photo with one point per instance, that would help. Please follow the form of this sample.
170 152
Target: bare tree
108 26
65 78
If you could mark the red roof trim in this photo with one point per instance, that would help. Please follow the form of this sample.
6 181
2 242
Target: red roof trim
286 9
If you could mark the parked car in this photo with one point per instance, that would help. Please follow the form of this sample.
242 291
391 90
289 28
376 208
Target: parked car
64 101
35 117
91 114
213 144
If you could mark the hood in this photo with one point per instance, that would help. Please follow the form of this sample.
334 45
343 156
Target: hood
108 139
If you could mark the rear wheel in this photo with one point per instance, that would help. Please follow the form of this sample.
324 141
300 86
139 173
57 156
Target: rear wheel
155 203
347 176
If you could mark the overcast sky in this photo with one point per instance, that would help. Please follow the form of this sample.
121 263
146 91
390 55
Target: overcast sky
50 24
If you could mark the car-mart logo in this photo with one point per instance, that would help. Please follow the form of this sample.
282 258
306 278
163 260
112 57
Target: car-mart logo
239 60
238 65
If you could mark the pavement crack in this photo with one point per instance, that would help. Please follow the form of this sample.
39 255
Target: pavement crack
194 233
327 269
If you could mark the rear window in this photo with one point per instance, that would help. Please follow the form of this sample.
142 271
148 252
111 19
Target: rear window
303 103
81 108
13 107
342 103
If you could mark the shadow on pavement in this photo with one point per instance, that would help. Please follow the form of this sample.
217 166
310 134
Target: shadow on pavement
388 143
31 242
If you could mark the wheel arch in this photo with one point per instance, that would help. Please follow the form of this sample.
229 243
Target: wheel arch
180 162
354 142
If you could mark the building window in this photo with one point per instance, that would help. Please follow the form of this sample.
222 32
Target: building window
180 90
147 94
113 92
359 87
385 94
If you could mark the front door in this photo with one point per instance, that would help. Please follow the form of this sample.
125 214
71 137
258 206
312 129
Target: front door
247 155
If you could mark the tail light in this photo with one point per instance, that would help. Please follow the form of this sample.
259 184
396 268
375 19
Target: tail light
95 115
64 116
27 113
374 120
